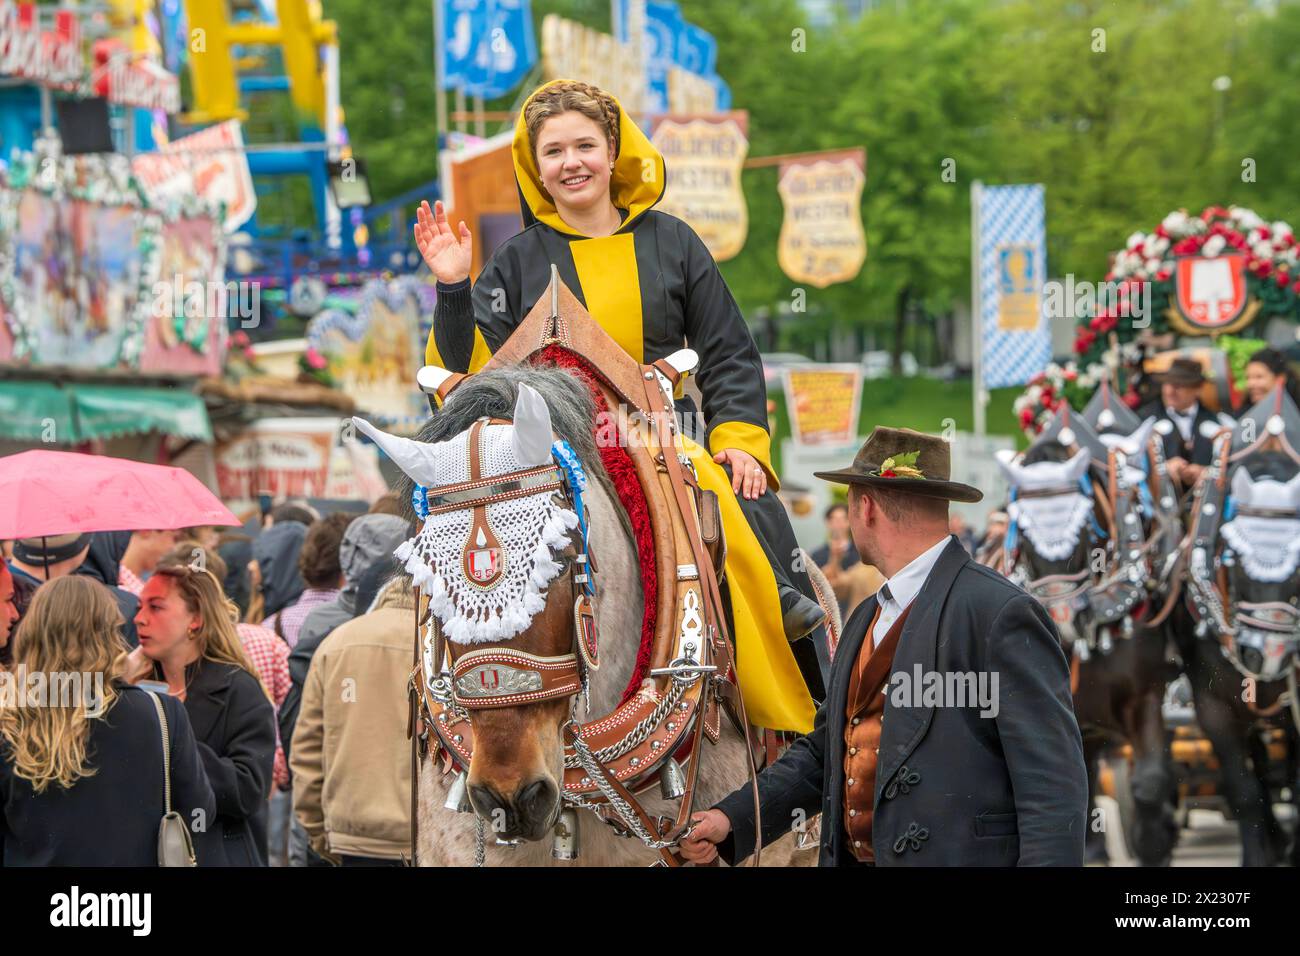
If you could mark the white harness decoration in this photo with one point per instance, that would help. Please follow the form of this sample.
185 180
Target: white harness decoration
1268 548
1052 523
486 583
1267 544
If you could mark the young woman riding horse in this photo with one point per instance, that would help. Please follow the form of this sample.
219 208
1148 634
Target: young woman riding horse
588 180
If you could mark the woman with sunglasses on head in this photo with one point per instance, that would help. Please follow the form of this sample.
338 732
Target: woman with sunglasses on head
188 641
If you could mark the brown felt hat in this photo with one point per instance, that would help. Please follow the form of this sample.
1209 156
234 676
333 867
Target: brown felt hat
933 461
1183 371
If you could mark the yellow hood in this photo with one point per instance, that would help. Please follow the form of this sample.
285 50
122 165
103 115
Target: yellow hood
637 183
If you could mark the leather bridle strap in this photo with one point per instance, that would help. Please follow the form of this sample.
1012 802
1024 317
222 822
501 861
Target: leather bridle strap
503 677
657 402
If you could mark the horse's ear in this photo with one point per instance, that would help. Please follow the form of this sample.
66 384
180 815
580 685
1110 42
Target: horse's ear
1007 462
1077 466
417 459
1140 437
531 437
1243 486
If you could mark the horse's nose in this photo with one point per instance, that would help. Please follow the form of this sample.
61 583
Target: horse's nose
528 814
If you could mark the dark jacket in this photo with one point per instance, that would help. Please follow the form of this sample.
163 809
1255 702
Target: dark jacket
1200 450
103 563
110 818
1003 790
234 725
276 550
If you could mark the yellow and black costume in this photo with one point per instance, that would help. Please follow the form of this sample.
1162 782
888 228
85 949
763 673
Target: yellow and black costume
654 287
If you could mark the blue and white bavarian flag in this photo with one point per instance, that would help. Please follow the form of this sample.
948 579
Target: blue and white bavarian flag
1012 256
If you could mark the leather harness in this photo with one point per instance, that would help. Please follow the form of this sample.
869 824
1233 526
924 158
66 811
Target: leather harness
693 666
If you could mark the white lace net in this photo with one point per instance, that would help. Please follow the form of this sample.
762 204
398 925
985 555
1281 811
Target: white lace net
1052 523
530 529
1268 548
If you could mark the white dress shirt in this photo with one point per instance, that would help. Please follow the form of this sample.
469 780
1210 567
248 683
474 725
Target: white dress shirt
904 587
1184 420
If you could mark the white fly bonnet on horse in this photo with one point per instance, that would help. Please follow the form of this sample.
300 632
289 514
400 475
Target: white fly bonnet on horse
1267 546
1134 447
1052 523
529 530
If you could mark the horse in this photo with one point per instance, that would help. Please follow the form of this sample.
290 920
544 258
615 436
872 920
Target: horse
1238 628
1092 580
514 782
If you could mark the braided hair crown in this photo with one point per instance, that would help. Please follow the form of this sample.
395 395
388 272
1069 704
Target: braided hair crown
573 95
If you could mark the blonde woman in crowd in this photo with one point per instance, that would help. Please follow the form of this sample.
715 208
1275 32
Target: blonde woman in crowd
81 765
188 641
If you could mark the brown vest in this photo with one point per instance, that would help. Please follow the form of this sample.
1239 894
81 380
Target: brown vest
865 708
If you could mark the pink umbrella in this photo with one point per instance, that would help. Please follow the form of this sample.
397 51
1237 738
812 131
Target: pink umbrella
60 492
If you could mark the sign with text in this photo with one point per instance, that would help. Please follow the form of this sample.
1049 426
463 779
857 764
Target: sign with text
822 241
210 164
823 402
705 156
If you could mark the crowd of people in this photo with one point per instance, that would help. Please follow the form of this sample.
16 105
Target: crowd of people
276 660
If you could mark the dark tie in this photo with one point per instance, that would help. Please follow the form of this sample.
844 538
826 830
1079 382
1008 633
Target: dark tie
884 594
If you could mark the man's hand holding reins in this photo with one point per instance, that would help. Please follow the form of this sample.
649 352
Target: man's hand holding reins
708 829
448 254
747 475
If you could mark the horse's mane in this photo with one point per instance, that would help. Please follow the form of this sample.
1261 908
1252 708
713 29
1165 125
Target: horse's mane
1276 465
1052 451
493 393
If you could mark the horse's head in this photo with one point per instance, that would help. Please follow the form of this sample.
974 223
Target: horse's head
1048 539
500 556
1260 563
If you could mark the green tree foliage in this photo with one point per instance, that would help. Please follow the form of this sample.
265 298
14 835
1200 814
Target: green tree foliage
1016 91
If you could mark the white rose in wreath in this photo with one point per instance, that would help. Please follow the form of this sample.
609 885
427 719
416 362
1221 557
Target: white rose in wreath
1246 218
1263 249
1213 246
1135 240
1175 224
1280 228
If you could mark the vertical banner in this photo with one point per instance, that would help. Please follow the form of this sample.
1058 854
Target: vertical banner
1014 337
704 157
822 241
486 47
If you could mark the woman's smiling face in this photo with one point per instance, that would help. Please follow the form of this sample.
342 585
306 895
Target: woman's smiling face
573 159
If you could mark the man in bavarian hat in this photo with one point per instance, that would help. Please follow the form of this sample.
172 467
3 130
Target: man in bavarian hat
948 735
1187 451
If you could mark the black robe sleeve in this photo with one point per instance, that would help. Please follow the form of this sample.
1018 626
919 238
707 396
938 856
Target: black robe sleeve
731 370
471 322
